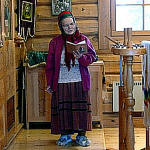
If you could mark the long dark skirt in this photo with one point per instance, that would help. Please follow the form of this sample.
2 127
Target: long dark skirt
70 109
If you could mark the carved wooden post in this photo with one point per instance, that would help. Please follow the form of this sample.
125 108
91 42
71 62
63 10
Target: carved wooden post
122 115
122 107
125 36
129 103
126 101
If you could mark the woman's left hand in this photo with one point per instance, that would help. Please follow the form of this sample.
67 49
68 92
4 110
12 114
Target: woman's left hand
77 54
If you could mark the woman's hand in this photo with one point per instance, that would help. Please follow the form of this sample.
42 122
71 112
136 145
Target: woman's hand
77 54
49 90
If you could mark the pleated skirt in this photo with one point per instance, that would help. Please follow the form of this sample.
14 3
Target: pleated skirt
70 109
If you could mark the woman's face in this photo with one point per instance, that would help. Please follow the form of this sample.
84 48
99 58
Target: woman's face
68 26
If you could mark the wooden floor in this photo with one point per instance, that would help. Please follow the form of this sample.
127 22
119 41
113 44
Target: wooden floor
101 139
112 139
35 139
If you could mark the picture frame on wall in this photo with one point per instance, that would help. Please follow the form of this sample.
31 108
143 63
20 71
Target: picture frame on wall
27 10
60 5
26 16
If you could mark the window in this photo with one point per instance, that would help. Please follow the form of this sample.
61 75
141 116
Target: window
132 13
115 15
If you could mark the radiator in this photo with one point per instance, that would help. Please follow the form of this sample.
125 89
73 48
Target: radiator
138 95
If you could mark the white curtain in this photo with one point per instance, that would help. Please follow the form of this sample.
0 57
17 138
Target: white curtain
146 82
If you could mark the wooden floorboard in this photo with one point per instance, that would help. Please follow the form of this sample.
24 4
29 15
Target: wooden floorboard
112 138
41 139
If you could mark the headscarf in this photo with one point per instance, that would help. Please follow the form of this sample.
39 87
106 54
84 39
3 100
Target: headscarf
71 38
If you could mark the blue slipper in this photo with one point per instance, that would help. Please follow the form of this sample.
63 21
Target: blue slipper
82 141
64 140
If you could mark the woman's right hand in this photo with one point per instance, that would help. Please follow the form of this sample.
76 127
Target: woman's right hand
49 90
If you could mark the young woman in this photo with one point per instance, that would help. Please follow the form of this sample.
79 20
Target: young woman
68 80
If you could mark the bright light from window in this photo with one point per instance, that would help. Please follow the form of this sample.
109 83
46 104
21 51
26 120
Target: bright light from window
147 17
147 1
132 13
129 1
129 16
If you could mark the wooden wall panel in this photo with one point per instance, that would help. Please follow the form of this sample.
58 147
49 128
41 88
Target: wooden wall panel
111 57
38 44
73 1
2 126
3 92
104 25
10 83
96 70
49 28
1 62
112 64
44 11
38 101
114 67
41 44
46 27
116 77
1 119
19 54
10 113
82 10
107 107
85 10
136 39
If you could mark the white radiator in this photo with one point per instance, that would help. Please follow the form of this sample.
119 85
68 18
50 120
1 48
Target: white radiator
138 95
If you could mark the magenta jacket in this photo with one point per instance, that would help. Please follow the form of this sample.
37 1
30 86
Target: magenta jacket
54 57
